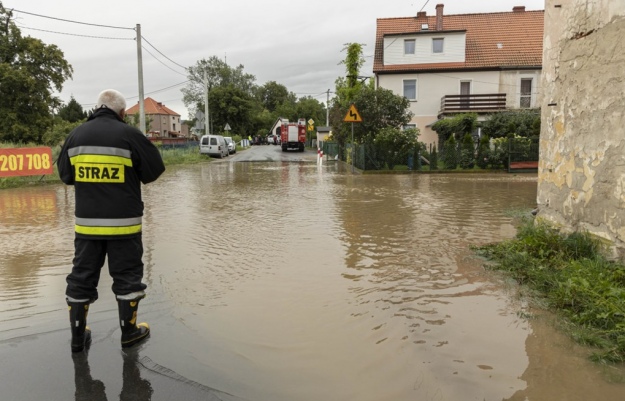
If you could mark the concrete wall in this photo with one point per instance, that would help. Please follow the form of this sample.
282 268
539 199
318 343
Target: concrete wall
581 177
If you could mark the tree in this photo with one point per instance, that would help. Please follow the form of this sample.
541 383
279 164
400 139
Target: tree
467 152
483 152
30 71
72 111
233 106
348 87
449 153
56 134
272 94
308 107
218 75
135 121
379 108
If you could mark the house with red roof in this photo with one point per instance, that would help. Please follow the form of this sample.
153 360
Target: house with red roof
163 121
450 64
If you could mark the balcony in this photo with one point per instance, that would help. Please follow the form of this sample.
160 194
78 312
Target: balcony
483 103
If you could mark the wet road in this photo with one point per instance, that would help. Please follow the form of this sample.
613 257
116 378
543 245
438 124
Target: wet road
288 281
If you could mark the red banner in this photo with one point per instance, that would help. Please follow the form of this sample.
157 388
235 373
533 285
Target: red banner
25 161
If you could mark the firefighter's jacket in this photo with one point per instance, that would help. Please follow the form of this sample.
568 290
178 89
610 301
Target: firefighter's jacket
106 160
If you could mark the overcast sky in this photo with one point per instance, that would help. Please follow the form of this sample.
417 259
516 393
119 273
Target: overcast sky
295 43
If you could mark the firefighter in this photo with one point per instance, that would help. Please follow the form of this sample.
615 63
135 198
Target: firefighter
106 161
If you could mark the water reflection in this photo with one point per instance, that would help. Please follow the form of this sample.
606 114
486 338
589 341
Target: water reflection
134 387
36 230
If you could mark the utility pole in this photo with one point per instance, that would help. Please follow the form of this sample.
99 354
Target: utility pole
140 67
206 104
328 109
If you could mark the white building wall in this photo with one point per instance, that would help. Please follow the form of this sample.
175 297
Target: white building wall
510 84
453 49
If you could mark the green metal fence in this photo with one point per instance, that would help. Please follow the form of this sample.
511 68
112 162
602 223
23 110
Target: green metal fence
512 154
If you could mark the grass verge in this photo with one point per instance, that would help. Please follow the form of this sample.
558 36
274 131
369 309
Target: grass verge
571 275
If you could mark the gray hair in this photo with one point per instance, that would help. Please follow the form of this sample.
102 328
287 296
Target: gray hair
112 99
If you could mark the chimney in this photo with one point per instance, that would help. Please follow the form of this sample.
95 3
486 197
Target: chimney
439 17
518 9
421 15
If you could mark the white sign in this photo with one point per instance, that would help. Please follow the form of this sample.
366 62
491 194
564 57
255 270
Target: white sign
227 127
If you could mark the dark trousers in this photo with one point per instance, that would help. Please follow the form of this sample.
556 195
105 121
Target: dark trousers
125 266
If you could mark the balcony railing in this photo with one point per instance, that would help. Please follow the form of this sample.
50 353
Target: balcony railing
473 103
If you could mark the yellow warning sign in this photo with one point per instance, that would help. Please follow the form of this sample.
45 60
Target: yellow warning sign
352 115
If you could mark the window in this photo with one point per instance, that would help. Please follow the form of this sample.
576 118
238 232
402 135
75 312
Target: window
409 126
410 89
526 93
409 46
437 45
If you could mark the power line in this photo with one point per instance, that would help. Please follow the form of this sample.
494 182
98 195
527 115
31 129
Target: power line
177 72
426 3
73 34
73 22
143 37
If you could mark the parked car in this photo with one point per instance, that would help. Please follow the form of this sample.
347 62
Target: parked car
214 145
232 147
271 140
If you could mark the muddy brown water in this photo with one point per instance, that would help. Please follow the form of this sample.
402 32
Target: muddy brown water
290 281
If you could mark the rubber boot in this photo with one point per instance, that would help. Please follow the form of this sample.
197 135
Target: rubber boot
132 333
81 334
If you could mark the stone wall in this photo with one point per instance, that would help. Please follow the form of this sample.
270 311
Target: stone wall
581 175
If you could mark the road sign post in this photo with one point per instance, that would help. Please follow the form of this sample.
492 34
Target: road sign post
352 116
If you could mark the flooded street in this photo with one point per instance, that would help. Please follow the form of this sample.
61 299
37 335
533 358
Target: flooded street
285 281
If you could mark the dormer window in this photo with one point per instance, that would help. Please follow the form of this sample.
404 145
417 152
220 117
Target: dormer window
438 45
409 46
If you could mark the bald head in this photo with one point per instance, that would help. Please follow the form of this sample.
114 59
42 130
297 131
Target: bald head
113 100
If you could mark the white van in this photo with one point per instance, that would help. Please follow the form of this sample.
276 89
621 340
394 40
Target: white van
213 145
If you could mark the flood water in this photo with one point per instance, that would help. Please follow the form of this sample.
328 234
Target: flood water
290 281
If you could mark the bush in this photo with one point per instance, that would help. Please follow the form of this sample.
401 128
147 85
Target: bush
450 154
434 160
467 153
483 152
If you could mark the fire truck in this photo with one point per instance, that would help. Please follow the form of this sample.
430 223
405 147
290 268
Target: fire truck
293 135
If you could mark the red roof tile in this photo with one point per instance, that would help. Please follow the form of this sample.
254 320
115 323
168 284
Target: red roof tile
151 106
520 35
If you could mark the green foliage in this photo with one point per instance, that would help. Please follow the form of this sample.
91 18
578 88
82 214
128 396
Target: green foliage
348 87
467 152
59 131
379 108
459 126
232 106
570 272
523 123
30 72
272 94
450 153
72 111
483 152
393 146
434 159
